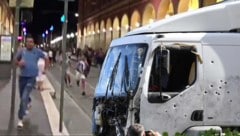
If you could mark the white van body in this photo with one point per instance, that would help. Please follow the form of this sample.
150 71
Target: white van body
202 87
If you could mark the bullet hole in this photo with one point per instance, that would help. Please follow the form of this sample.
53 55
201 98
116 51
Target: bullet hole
221 81
228 92
220 87
210 117
185 115
166 111
225 83
212 61
230 100
205 92
174 105
211 86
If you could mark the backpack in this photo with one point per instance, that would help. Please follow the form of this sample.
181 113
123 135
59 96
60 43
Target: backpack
86 70
83 67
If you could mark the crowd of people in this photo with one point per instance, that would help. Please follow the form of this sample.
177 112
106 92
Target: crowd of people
34 61
86 58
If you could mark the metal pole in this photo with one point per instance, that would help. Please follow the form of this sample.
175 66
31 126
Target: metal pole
50 44
64 32
14 70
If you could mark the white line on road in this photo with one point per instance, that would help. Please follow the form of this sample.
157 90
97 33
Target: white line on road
74 76
75 104
52 111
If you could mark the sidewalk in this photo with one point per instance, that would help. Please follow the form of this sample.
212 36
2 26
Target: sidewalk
43 118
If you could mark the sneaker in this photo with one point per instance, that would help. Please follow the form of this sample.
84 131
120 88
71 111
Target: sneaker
28 108
20 124
26 112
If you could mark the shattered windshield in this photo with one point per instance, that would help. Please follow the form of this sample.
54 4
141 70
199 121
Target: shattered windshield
121 70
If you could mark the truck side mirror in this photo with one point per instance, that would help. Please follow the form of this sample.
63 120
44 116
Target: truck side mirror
165 60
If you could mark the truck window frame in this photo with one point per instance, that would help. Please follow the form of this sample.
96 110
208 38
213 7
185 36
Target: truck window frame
181 75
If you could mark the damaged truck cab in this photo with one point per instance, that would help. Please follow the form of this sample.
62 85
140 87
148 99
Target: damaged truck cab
180 74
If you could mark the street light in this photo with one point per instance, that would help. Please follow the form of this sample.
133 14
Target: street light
24 33
51 30
76 14
46 32
72 35
43 36
64 32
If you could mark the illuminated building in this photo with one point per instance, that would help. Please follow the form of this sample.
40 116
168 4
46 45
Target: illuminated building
100 21
6 18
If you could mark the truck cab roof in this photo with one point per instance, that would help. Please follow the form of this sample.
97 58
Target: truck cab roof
222 17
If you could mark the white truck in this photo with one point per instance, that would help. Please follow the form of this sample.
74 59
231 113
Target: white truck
180 74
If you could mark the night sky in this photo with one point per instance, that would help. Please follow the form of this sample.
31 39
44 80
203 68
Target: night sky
48 12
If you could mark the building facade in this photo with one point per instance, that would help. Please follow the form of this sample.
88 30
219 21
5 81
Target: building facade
6 18
101 21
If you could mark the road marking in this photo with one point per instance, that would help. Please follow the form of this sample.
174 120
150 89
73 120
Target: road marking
74 76
76 105
81 110
91 86
52 111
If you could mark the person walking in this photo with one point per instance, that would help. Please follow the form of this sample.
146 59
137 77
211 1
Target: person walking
27 59
50 55
100 55
82 70
67 76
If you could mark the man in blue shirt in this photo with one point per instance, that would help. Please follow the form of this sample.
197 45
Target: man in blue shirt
27 59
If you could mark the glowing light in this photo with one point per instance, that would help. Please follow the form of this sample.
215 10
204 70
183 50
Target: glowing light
76 14
118 28
137 24
151 20
126 27
72 35
104 30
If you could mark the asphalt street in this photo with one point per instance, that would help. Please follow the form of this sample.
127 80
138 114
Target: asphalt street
77 108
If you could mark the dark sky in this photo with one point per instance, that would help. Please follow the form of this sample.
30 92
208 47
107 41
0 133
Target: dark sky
48 12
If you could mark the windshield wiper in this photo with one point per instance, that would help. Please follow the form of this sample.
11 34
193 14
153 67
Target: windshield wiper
113 76
125 77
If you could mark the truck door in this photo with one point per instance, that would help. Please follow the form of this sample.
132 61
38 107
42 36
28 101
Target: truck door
174 95
173 70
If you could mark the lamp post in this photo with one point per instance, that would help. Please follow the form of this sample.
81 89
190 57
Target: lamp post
23 28
24 34
43 36
51 31
14 72
64 32
46 32
64 20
